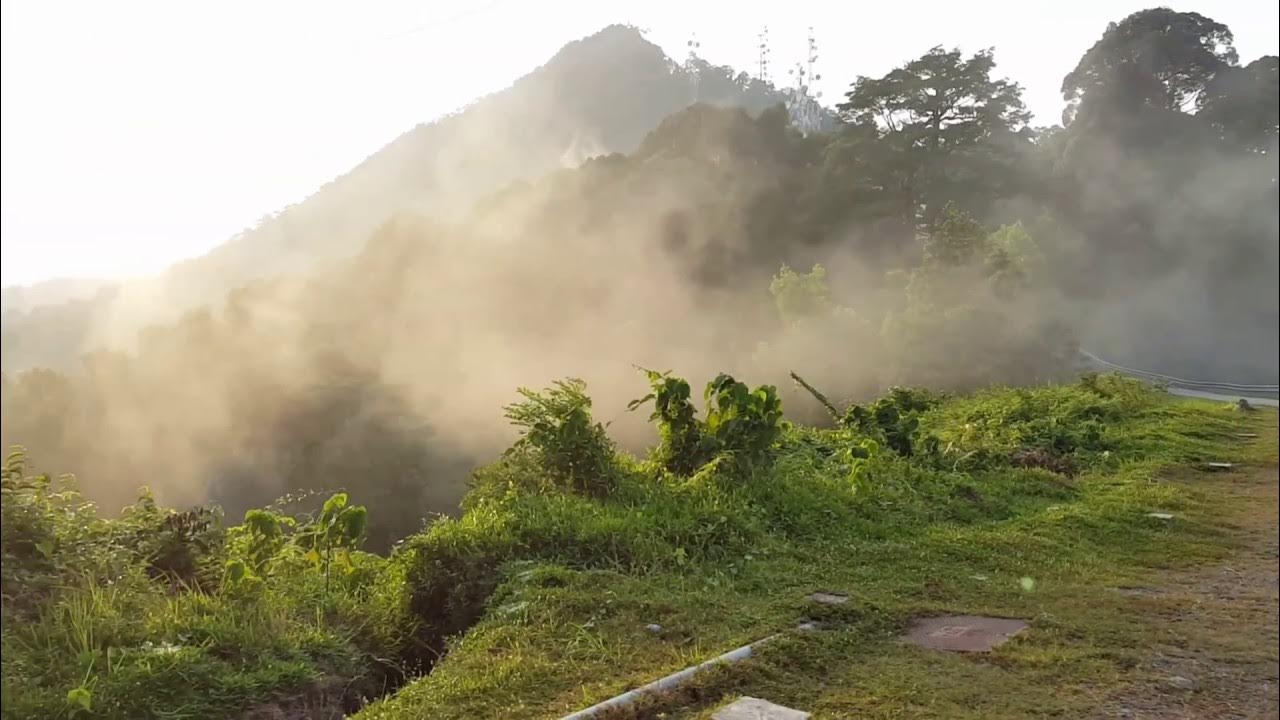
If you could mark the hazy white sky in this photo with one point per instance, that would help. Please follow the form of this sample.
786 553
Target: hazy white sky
137 133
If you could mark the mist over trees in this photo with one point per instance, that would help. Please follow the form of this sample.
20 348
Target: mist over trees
367 338
598 95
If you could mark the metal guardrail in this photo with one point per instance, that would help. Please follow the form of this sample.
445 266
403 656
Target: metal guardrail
1202 385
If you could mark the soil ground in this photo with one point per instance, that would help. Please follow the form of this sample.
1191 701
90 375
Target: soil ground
1214 653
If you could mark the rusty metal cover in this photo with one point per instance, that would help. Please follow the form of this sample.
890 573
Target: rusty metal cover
963 633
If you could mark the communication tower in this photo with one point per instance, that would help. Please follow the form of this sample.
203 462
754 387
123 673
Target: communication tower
803 107
691 68
763 47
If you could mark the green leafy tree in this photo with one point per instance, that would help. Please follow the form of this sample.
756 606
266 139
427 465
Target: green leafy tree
968 318
940 101
1157 58
940 129
801 296
957 240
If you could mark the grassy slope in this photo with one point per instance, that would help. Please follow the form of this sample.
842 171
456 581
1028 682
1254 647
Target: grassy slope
561 586
144 652
569 629
141 647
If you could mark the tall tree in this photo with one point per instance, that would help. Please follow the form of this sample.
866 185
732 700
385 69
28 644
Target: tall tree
1243 104
939 129
939 101
1157 58
1167 174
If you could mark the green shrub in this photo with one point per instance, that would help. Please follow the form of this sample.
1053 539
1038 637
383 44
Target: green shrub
51 536
558 430
1061 428
682 443
337 530
265 533
894 419
741 421
181 547
741 425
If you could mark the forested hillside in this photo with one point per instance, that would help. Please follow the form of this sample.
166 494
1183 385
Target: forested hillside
21 298
957 247
598 95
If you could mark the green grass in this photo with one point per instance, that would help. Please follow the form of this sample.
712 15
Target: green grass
537 599
137 645
143 651
570 630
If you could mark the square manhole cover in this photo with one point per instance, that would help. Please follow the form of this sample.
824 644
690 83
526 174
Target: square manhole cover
963 633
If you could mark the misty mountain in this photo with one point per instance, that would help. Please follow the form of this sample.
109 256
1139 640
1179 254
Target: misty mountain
21 298
385 373
596 96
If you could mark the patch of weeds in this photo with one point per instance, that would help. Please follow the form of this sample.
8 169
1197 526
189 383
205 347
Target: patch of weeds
556 427
741 426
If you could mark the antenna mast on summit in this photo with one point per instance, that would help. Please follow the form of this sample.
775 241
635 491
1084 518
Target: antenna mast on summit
802 106
803 72
763 47
691 67
813 56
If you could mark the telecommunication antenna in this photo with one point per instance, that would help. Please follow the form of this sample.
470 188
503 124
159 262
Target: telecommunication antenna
803 107
803 72
797 74
763 47
691 67
813 57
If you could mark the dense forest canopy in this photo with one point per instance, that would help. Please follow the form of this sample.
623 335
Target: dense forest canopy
364 338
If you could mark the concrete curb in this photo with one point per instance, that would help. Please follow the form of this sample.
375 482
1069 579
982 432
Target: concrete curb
670 682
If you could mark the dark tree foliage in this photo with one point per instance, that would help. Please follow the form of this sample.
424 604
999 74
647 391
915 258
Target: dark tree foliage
939 129
1166 176
1158 58
1243 105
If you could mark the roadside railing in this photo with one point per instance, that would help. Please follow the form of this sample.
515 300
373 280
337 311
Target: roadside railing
1224 388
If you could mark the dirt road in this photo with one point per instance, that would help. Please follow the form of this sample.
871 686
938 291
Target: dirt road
1215 650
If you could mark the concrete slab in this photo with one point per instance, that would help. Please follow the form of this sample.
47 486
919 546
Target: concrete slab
829 598
963 633
749 708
